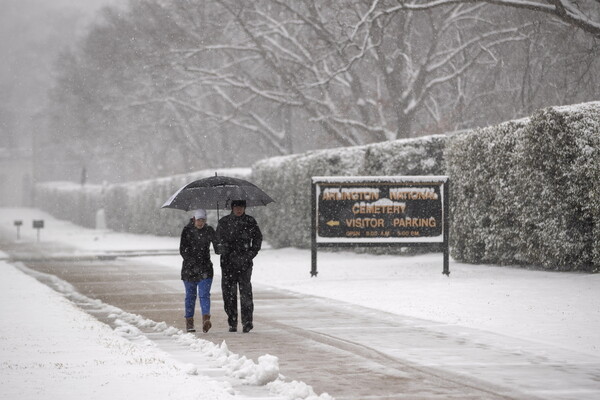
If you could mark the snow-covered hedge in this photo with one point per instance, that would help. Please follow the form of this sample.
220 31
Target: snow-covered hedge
70 201
288 179
528 192
523 192
135 206
129 207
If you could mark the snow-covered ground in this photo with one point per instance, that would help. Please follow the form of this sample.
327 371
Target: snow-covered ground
51 349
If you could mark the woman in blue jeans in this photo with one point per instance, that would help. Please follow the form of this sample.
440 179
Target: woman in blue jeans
197 269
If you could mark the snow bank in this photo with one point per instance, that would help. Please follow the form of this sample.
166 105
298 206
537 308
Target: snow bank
59 352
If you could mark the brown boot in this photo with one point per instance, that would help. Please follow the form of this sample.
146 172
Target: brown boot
189 325
206 325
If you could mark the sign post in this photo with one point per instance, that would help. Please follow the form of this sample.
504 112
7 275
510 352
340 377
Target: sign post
18 224
38 224
402 211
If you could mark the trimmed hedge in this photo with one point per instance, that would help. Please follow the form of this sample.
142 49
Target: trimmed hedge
135 207
288 180
527 192
524 192
129 207
70 201
482 194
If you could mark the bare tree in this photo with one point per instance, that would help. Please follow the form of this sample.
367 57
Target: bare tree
361 80
117 97
176 85
583 14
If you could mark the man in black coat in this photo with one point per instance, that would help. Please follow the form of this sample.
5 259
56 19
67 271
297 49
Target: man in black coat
197 269
238 240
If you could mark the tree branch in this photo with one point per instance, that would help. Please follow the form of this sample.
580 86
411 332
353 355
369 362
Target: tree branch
565 10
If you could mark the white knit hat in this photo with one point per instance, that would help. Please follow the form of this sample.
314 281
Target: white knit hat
200 214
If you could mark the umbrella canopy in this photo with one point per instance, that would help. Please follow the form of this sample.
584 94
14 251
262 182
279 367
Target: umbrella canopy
217 192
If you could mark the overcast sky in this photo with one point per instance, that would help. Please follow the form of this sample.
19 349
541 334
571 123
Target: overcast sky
32 33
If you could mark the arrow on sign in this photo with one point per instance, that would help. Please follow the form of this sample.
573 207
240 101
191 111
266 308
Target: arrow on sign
333 223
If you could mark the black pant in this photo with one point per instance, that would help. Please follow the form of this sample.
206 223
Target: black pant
231 280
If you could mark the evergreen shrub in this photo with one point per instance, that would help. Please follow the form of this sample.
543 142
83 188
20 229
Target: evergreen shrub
135 207
132 207
70 201
287 179
526 192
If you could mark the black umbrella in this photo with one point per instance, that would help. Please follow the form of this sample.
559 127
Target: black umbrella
217 192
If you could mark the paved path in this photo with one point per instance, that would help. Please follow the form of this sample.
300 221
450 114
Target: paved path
347 351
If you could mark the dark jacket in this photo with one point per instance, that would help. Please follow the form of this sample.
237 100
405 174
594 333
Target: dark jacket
194 247
238 241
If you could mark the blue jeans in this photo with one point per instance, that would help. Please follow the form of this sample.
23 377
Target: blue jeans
194 290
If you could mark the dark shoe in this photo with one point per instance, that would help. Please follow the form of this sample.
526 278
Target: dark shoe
206 324
232 329
247 328
189 325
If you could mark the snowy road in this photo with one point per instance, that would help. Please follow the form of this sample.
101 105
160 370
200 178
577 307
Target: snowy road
345 350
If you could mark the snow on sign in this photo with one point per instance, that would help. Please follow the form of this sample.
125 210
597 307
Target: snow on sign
380 211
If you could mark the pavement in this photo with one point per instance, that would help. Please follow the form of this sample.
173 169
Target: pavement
347 351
